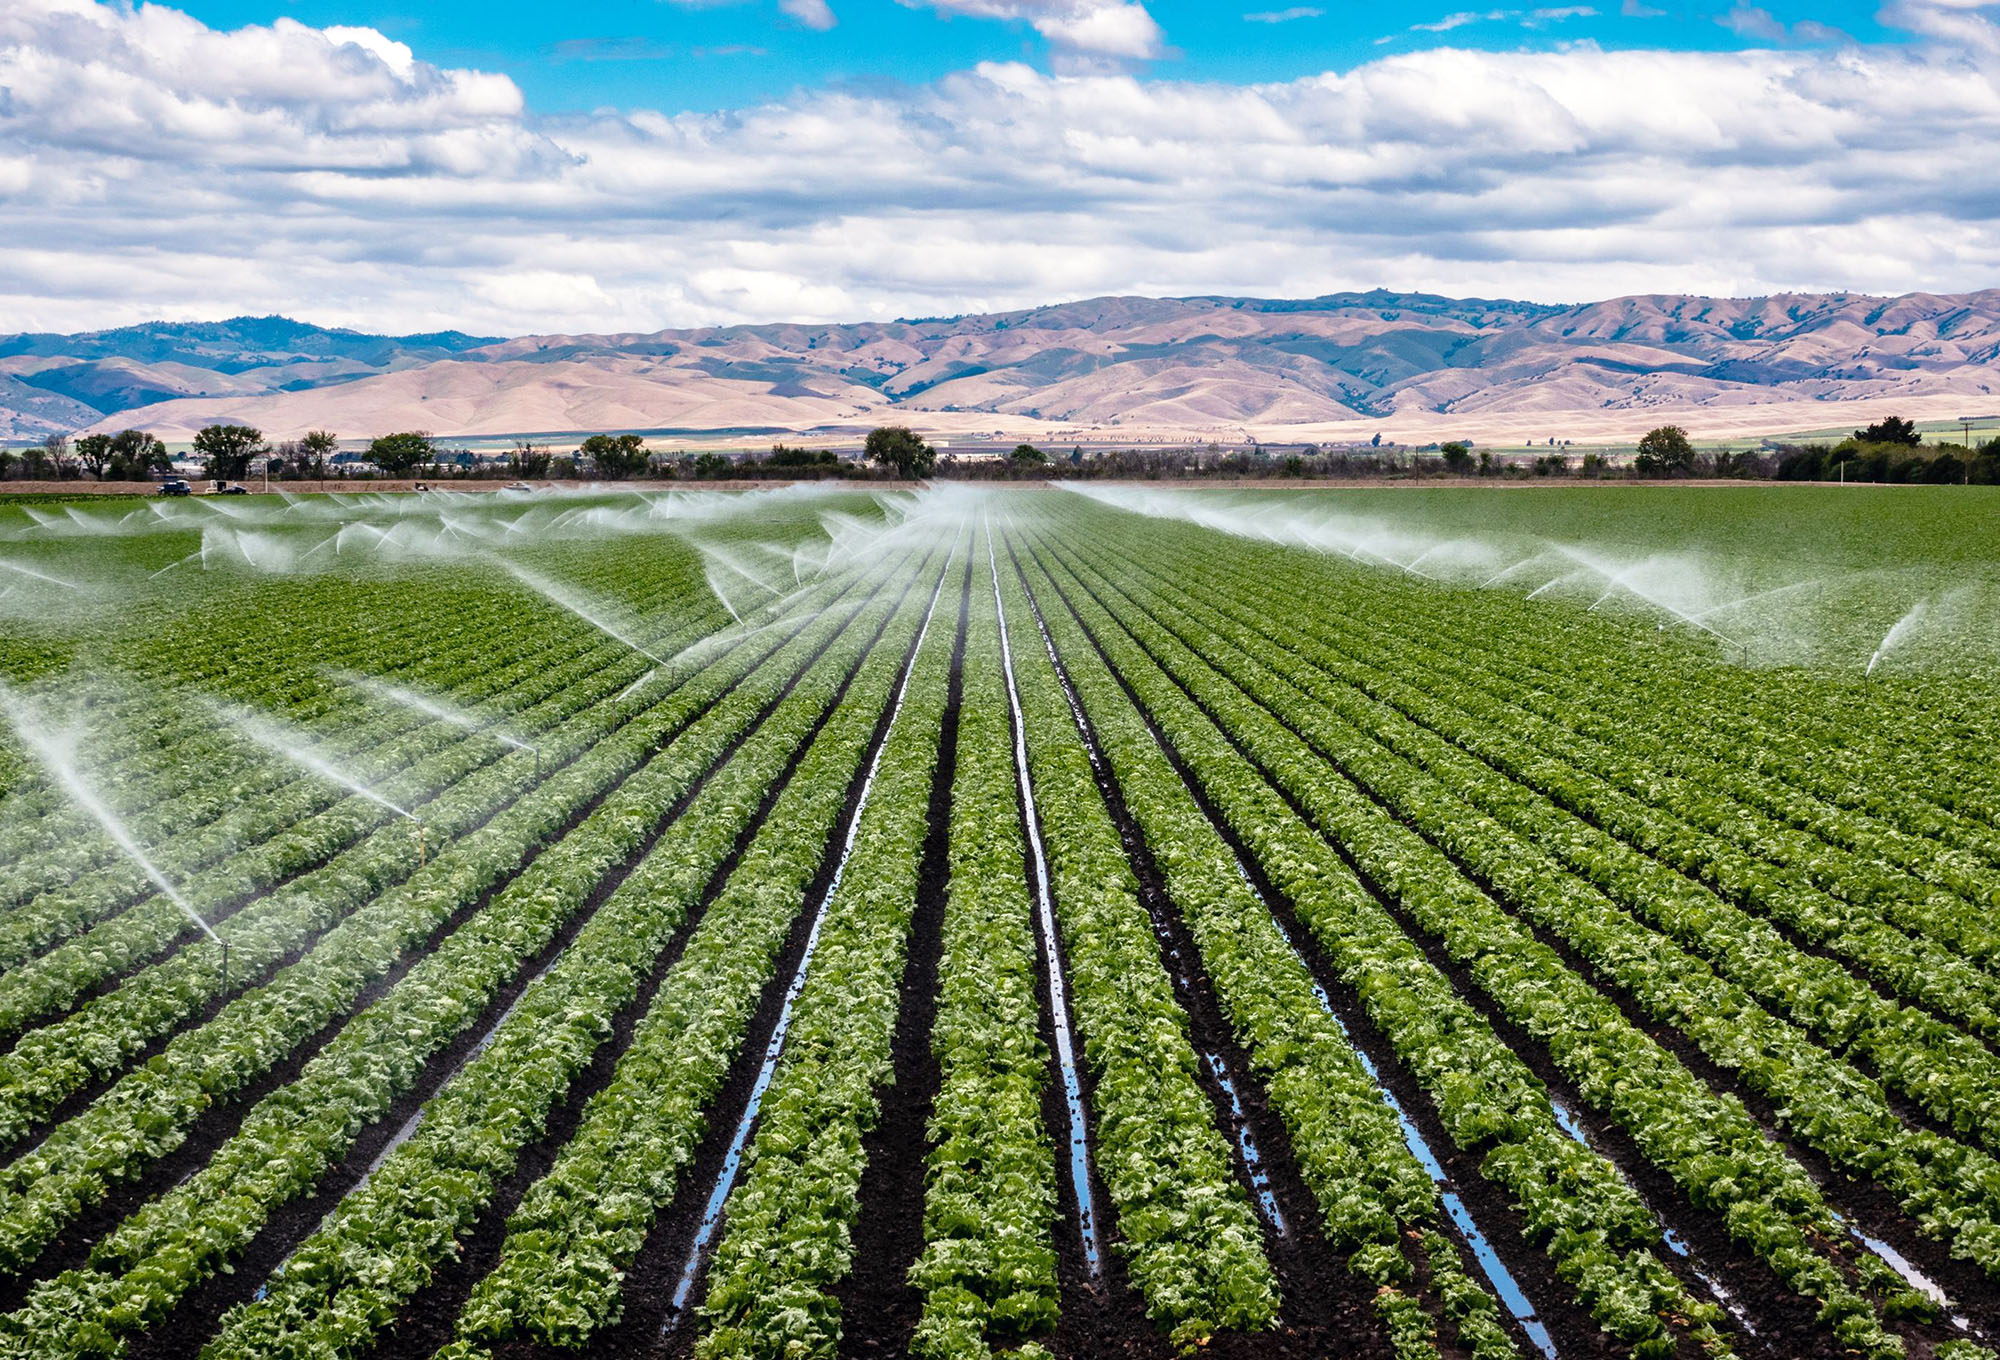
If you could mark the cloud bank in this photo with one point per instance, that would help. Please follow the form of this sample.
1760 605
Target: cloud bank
151 166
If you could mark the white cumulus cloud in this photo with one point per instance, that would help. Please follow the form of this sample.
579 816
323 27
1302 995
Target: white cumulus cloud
1120 29
816 14
151 166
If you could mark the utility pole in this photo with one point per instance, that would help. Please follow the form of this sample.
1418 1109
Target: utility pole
1968 422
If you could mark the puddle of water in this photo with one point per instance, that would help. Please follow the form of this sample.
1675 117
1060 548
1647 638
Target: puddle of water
1504 1283
1246 1141
732 1162
1246 1144
1045 920
1571 1125
1912 1275
1505 1286
1567 1119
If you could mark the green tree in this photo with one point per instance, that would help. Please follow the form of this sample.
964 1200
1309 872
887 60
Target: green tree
1027 455
1457 457
52 458
897 446
617 456
1665 452
709 463
136 455
397 454
94 452
527 460
315 449
1943 470
1894 430
226 450
787 455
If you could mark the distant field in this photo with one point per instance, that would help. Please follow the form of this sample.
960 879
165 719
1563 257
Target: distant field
1775 575
1445 923
1842 527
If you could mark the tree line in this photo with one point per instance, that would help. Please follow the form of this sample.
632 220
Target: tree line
1891 450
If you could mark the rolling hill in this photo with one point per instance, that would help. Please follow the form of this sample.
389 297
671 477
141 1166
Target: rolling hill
1413 365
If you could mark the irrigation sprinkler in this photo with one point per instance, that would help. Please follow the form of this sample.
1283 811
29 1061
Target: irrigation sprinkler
56 753
562 599
626 693
1897 632
423 842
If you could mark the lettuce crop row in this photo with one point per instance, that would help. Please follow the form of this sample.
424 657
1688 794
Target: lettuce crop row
1633 859
1863 862
268 794
1575 1204
289 1140
1913 1052
151 1110
987 1271
49 1065
321 855
289 824
1372 1193
1948 1187
1912 713
168 762
790 1220
182 783
1852 770
1631 778
167 765
1919 884
1721 1159
1860 765
582 1223
1704 1142
274 795
1185 1228
380 1246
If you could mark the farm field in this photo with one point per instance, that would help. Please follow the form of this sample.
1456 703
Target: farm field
1555 922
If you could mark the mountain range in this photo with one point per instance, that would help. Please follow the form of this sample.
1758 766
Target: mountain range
1412 366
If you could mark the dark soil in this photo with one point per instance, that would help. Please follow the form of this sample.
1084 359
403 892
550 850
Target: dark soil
1784 1321
190 1324
878 1308
1572 1329
1322 1306
651 1279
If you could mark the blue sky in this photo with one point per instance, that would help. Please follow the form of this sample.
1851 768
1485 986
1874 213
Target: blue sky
508 167
585 54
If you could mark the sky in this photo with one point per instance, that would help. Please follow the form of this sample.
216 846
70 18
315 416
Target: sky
509 167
